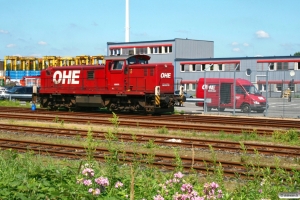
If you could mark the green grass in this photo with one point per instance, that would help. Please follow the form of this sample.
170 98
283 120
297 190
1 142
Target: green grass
28 176
7 103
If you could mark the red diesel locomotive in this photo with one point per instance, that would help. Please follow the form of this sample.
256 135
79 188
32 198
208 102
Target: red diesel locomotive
124 83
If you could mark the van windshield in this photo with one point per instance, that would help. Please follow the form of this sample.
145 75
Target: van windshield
251 89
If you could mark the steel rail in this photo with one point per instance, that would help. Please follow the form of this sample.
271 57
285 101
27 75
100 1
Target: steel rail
161 160
143 123
207 119
195 143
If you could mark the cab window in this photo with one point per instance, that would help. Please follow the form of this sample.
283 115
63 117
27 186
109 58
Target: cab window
117 65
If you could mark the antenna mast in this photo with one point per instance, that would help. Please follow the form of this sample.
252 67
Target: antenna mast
127 22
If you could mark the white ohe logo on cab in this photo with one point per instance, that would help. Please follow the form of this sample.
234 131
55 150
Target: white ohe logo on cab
71 77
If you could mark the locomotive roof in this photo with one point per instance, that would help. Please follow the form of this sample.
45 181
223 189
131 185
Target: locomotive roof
146 57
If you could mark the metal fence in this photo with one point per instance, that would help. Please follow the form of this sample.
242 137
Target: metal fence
257 93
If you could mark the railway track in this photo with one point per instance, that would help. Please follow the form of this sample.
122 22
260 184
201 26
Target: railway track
198 127
174 141
204 119
163 161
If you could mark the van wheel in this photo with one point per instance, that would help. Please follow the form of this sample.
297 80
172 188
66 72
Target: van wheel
221 109
246 108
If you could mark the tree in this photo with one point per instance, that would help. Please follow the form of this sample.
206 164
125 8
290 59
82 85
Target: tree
297 54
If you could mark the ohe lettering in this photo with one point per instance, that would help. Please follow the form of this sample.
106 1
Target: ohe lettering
71 77
165 75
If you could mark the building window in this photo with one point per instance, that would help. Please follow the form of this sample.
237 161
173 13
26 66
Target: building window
193 67
221 67
198 67
297 65
271 66
282 66
127 51
193 86
182 68
186 68
262 87
278 87
156 50
167 49
141 50
115 51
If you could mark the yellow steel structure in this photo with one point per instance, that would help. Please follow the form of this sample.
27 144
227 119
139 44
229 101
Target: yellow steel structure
96 60
27 62
82 60
13 62
34 63
67 61
50 61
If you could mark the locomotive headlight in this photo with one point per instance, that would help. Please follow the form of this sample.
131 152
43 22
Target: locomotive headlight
256 102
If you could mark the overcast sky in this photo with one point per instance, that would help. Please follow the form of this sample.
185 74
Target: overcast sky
72 27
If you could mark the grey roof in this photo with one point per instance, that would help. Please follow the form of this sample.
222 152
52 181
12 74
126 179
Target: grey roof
124 57
238 58
152 41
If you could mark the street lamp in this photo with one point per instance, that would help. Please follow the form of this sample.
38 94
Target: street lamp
292 73
267 86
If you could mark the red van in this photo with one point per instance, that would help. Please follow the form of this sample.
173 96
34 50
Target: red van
219 94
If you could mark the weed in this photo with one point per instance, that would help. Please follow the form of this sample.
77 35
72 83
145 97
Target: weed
90 146
77 137
163 130
111 136
115 120
286 136
56 119
178 161
150 144
244 156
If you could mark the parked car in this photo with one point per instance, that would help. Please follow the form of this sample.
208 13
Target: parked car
3 90
187 95
21 93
